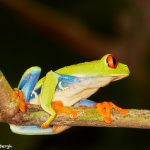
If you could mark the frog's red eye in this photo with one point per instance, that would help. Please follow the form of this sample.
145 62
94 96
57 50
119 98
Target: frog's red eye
112 62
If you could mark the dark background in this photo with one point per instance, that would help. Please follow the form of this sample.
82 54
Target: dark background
121 27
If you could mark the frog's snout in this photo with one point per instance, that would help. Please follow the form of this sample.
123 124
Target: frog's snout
126 70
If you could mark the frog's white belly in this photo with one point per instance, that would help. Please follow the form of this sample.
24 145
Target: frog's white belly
78 90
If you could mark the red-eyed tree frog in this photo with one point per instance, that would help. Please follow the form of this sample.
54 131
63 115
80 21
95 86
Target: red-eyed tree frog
68 86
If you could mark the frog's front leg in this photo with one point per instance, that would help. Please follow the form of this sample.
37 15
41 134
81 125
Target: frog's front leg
46 97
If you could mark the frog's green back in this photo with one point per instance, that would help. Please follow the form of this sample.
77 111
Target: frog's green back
80 69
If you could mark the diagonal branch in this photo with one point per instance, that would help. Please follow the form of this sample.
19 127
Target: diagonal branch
35 115
86 117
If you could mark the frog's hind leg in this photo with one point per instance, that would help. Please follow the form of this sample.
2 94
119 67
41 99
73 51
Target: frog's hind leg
28 81
23 92
26 86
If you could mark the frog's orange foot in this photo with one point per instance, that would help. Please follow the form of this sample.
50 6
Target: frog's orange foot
105 109
19 94
59 108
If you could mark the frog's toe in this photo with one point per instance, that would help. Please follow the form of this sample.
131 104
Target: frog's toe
45 125
19 94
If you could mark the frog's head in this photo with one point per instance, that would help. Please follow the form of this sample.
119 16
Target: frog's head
110 67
